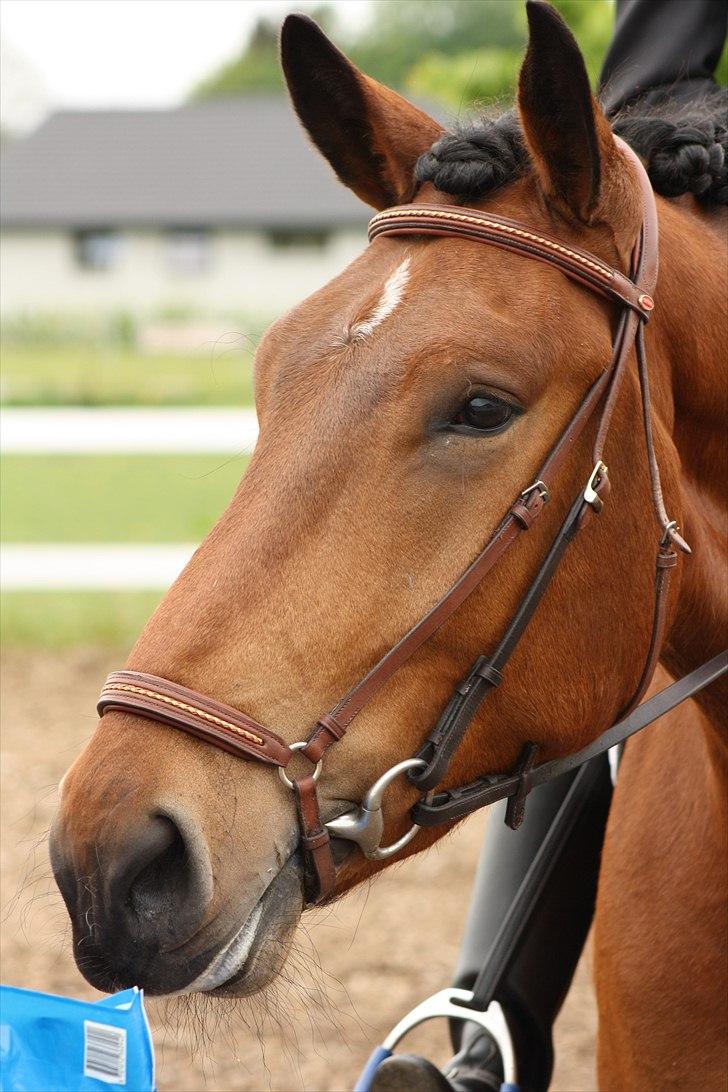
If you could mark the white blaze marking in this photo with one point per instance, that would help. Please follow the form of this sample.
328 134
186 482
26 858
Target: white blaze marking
390 299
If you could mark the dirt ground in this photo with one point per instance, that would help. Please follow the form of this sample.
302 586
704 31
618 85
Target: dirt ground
357 968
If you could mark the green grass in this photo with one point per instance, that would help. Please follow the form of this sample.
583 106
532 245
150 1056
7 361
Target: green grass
57 620
114 498
84 375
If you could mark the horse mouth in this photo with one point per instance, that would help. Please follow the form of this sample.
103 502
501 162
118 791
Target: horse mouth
230 961
255 952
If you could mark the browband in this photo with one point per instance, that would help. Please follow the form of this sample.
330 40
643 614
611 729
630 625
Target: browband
486 227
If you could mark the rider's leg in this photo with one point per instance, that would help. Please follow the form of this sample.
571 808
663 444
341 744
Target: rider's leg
540 970
536 983
662 47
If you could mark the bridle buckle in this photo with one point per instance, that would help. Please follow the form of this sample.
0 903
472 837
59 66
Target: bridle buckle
543 491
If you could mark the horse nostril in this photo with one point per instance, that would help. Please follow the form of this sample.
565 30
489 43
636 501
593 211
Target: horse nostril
157 869
158 882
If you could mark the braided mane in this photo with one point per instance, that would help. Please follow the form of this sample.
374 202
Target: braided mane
684 147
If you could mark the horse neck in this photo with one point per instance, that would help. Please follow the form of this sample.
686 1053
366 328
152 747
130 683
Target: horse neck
689 338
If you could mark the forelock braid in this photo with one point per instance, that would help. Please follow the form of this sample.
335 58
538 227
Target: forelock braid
689 156
684 148
475 159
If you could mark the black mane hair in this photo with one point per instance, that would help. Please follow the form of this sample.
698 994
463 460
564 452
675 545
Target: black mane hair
684 146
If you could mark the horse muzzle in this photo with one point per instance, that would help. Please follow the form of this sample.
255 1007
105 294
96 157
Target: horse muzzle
143 914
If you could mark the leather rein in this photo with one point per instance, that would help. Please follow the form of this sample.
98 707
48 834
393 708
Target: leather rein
233 731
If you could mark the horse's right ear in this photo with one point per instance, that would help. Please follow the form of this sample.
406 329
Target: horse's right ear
371 136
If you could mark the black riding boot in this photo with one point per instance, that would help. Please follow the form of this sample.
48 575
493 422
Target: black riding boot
662 48
476 1068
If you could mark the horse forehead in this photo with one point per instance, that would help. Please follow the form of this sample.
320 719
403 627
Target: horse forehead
409 287
403 297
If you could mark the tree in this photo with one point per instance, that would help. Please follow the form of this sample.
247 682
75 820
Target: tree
404 33
487 70
457 51
256 67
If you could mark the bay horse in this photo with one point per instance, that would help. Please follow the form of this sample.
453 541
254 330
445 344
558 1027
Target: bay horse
400 409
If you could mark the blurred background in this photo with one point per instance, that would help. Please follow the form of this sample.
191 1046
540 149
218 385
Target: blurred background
159 207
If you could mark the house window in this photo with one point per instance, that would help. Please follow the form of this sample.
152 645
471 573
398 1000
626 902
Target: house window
188 250
286 238
97 249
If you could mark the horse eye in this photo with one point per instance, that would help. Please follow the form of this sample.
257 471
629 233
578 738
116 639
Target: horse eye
484 414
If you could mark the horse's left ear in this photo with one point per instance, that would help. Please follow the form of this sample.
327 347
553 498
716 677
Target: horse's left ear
568 136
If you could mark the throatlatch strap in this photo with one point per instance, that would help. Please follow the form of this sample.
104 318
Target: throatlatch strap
452 804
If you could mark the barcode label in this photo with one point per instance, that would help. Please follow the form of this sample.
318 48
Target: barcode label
104 1052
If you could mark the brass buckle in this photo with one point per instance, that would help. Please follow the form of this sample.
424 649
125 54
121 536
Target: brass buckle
543 490
590 494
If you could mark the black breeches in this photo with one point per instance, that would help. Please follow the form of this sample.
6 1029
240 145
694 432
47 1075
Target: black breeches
536 982
671 45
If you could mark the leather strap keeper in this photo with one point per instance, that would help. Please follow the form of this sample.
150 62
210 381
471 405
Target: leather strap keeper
319 868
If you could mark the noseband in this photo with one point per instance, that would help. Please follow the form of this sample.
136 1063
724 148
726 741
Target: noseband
231 730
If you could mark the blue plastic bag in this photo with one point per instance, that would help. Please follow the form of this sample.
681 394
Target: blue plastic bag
57 1044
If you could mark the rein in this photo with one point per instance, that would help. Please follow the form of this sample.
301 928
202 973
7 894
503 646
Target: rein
231 730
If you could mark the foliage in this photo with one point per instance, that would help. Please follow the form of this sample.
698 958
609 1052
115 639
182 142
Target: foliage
592 24
256 66
721 72
485 75
456 51
488 74
404 33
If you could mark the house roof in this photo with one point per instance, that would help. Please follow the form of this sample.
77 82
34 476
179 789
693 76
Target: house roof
242 161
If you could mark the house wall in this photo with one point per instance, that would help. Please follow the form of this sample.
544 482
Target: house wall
245 272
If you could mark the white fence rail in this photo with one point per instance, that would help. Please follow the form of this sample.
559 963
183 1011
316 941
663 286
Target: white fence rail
82 430
90 567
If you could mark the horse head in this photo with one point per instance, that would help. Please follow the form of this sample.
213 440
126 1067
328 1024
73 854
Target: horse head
402 408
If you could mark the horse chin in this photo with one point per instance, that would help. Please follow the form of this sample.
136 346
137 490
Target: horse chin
252 958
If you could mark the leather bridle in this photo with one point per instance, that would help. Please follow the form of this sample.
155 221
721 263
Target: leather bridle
233 731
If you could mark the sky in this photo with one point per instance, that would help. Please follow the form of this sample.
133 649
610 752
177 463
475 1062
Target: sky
116 53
